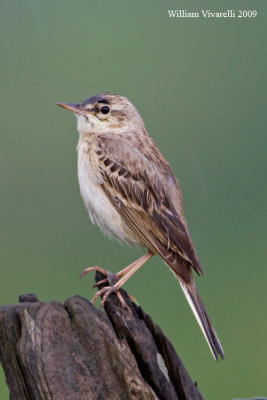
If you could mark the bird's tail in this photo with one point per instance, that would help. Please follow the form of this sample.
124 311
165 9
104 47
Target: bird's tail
198 309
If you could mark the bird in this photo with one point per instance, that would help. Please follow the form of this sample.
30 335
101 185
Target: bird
131 193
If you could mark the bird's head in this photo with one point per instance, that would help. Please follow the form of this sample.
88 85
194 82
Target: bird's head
105 112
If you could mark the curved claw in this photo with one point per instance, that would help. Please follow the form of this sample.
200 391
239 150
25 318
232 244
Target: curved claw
110 289
133 299
124 305
97 294
96 268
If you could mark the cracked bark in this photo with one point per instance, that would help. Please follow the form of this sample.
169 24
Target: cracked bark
77 352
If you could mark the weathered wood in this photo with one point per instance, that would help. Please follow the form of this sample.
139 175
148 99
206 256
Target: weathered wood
77 352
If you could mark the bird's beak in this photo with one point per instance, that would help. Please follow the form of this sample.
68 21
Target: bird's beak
76 108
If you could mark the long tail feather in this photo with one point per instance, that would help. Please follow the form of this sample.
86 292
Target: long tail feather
198 309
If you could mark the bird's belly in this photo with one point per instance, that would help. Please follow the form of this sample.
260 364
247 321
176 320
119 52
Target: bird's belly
99 207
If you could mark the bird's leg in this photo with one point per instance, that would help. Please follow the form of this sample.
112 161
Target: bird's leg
109 276
123 276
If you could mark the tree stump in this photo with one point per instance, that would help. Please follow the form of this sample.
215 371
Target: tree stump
77 352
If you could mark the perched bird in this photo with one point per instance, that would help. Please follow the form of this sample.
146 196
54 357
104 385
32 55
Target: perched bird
132 194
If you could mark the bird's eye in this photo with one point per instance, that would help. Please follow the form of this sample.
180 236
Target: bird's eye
105 109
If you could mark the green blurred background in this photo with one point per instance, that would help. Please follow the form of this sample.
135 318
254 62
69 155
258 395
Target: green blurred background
199 85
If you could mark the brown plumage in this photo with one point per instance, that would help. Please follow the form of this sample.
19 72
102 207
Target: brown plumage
130 191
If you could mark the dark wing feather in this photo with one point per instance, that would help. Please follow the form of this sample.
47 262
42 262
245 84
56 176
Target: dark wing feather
141 188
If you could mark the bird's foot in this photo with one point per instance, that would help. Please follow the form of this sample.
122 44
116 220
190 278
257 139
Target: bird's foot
111 279
106 291
115 281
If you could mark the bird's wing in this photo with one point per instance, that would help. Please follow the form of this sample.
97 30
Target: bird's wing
141 187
